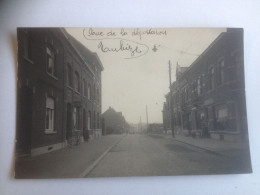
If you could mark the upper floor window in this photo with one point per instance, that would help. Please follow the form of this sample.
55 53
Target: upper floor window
89 91
221 71
195 88
77 87
199 86
94 92
84 87
69 75
26 45
98 95
239 61
211 78
50 61
49 115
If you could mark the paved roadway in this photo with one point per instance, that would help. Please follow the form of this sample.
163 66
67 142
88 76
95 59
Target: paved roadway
153 155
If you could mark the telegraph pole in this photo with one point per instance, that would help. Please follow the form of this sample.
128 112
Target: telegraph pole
147 118
141 129
171 103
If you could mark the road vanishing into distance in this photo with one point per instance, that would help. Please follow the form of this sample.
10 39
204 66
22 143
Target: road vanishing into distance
155 155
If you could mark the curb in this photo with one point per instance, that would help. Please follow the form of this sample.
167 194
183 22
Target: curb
205 149
95 163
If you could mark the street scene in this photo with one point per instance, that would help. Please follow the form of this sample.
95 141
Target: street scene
139 155
100 102
156 155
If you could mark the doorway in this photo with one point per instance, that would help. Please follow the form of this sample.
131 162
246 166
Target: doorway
24 128
69 122
85 129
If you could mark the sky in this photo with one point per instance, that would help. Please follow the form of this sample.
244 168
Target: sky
136 64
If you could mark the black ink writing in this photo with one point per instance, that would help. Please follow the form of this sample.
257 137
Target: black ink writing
123 32
140 33
111 33
91 32
124 45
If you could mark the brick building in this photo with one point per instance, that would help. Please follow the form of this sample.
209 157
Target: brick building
115 122
209 95
58 90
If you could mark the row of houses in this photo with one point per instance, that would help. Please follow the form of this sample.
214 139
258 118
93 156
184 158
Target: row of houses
208 97
58 90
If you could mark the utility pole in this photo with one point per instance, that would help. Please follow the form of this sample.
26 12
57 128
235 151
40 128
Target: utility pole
147 119
171 103
140 125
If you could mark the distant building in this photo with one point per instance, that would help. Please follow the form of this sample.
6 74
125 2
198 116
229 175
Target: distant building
115 122
59 90
155 128
209 96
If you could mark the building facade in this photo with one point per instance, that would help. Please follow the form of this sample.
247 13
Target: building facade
58 90
209 95
115 122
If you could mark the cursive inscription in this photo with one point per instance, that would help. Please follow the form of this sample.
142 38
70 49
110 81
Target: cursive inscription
130 47
120 40
148 32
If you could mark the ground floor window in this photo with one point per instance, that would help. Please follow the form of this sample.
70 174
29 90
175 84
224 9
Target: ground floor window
187 121
89 120
76 117
221 113
98 121
49 115
200 120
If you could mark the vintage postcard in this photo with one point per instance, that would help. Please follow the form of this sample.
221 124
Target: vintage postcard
119 102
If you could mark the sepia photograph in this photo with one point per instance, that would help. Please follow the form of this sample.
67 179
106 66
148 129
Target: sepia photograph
124 102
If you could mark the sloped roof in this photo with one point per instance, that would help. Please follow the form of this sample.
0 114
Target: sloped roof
112 111
87 55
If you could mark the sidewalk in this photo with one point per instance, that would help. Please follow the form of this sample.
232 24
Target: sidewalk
222 147
67 162
237 152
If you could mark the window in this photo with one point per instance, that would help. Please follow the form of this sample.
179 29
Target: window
94 92
238 57
89 91
76 117
221 71
202 83
195 88
89 120
97 95
26 45
69 75
50 61
49 117
94 120
76 82
222 113
84 87
199 86
221 118
98 120
211 78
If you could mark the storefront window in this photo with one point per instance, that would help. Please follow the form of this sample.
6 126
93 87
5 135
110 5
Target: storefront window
221 118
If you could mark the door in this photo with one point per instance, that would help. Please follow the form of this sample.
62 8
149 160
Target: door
24 126
85 129
69 122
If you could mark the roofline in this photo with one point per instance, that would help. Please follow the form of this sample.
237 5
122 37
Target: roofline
99 61
67 36
204 52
